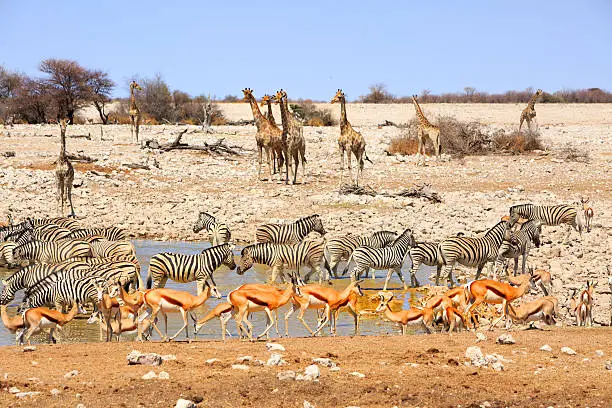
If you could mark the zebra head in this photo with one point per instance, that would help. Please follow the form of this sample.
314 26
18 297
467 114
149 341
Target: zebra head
7 294
205 221
317 224
384 299
20 253
229 257
246 260
536 233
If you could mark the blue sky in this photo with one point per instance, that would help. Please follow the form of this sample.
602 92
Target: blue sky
313 48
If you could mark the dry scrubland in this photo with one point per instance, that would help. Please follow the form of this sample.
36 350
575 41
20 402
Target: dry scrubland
163 202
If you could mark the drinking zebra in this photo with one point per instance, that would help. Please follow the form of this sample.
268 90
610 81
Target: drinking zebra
64 292
391 257
6 254
188 268
110 233
290 233
51 252
549 215
472 252
14 230
341 248
45 233
518 243
309 253
218 233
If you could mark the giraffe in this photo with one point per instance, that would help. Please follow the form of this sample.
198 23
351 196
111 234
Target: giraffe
426 129
134 110
64 173
529 112
277 143
267 135
350 140
294 145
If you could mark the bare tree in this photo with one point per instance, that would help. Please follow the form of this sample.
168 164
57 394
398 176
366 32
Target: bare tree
101 87
156 99
10 82
33 101
378 94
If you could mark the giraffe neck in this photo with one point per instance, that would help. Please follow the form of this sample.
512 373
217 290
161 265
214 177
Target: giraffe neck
284 117
62 154
132 99
343 119
532 101
259 118
270 115
420 114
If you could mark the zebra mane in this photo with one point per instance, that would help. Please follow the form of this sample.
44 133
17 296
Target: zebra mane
496 227
309 217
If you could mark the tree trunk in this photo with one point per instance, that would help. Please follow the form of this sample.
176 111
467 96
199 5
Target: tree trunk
103 116
70 115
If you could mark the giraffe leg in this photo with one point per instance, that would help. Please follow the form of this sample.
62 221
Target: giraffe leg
68 186
260 149
132 126
420 141
137 126
268 154
296 160
348 156
60 194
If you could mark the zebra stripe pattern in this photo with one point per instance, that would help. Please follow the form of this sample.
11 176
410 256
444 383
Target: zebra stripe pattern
111 249
518 243
64 222
14 230
309 253
290 233
30 275
391 257
6 254
65 292
110 233
472 252
342 248
51 252
424 253
45 233
188 268
218 233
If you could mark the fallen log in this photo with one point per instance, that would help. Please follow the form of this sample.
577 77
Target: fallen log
218 147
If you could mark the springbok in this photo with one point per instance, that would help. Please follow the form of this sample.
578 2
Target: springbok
110 309
588 213
494 292
41 318
414 315
453 319
169 300
534 311
584 309
224 311
322 297
12 324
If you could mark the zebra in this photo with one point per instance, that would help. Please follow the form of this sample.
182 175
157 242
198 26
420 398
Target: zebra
391 257
342 248
549 215
100 261
64 222
45 233
15 229
518 243
111 249
470 251
6 254
218 233
425 253
290 233
308 252
110 233
64 292
188 268
120 273
30 275
51 252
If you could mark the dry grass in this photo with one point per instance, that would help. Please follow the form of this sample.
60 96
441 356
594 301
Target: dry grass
404 145
518 143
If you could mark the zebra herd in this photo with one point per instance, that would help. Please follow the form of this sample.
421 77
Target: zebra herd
69 264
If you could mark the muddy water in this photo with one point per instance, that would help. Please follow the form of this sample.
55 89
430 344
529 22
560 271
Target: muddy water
80 331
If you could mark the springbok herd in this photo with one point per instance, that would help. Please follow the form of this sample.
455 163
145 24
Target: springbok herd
70 267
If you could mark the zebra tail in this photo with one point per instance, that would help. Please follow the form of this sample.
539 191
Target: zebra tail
326 264
346 268
149 281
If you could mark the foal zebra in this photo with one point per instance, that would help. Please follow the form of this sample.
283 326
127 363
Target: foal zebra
342 248
110 233
51 252
189 268
290 233
218 233
518 243
391 257
470 251
548 215
309 253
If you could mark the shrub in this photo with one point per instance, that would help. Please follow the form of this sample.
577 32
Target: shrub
307 111
516 142
404 145
378 94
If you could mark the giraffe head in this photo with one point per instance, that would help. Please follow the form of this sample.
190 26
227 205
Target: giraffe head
539 92
265 100
278 96
339 97
248 94
414 99
134 85
63 124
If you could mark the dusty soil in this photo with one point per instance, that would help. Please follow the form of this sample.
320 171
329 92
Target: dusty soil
408 371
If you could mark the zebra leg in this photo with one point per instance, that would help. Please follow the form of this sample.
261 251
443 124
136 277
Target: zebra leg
516 265
200 287
399 273
438 271
525 255
413 270
449 276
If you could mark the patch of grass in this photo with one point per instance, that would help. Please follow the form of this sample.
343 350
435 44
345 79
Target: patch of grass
518 143
404 145
572 153
311 115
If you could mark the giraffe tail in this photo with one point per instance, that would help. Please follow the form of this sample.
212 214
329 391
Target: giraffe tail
366 157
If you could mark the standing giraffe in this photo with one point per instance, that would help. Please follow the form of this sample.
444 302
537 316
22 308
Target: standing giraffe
64 173
529 112
294 145
426 129
134 110
277 142
350 140
267 135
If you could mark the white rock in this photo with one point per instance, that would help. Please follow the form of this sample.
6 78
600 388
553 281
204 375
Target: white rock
497 366
71 374
506 338
55 391
325 362
276 360
485 404
546 347
286 375
302 377
240 367
599 353
357 374
608 365
568 351
149 376
480 337
183 403
313 371
308 404
242 359
274 347
212 361
14 390
163 375
475 355
27 394
29 348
